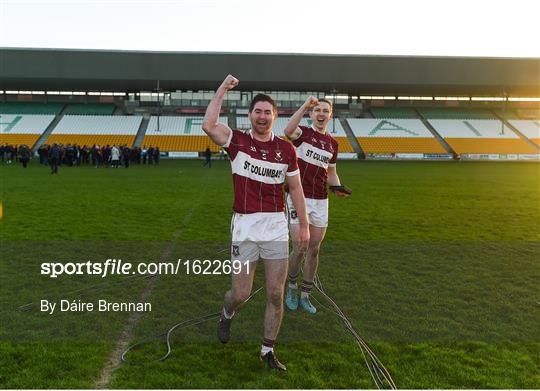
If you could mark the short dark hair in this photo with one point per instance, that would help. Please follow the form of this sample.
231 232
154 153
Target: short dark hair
327 101
263 98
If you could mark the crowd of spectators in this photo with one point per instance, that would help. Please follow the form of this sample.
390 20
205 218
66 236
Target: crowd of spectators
15 153
75 155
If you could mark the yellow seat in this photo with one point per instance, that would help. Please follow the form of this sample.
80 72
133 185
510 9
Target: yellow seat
490 145
535 141
180 143
91 139
344 145
19 139
400 145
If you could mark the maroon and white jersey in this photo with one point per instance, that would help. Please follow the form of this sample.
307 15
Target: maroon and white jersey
259 170
316 152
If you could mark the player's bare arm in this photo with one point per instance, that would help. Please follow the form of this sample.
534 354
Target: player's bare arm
292 131
218 132
299 202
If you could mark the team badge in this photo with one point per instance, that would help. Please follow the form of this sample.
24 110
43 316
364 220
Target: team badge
323 143
264 154
294 215
278 156
235 250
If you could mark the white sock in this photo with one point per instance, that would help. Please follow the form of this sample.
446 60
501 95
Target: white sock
266 349
293 286
226 314
304 295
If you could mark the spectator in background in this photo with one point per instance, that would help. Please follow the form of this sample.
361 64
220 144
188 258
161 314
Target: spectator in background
157 156
42 152
54 158
9 153
107 151
126 155
115 156
208 157
85 151
150 154
24 155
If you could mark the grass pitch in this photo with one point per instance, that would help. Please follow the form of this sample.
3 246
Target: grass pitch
436 263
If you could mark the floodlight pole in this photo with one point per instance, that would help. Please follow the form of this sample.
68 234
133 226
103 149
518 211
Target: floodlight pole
505 98
159 106
334 93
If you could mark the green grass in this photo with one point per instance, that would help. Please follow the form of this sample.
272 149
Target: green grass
436 263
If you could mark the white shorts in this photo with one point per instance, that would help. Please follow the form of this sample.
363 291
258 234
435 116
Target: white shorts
317 212
259 235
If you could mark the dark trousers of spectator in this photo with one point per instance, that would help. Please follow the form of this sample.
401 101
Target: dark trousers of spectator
24 162
208 162
54 165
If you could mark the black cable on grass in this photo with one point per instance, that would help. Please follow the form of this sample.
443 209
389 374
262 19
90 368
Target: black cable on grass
181 325
178 326
377 370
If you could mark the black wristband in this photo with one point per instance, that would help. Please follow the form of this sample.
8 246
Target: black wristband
341 189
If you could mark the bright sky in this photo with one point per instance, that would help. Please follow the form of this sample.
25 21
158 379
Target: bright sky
492 28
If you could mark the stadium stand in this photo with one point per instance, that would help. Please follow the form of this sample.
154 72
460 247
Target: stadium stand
393 112
96 129
455 113
180 133
334 128
529 128
30 108
506 114
533 114
480 137
386 136
17 129
90 108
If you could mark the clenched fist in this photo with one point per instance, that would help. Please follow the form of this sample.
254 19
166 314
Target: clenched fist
229 83
311 102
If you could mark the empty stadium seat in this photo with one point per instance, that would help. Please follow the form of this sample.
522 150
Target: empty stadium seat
179 133
180 143
96 129
30 108
455 113
393 112
394 136
91 139
533 114
22 128
480 136
90 109
529 128
506 114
